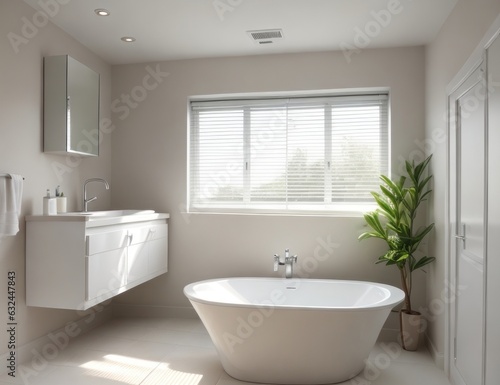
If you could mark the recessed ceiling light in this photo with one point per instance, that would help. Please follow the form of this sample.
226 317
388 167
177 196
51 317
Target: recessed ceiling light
102 12
128 39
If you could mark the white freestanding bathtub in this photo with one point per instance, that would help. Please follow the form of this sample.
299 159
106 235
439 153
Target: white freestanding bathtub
292 331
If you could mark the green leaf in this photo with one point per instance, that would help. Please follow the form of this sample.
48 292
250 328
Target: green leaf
373 221
396 188
386 209
388 193
422 262
402 257
417 238
371 235
422 198
422 184
415 171
387 258
398 202
388 262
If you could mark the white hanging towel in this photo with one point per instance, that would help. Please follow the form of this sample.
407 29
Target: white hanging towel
11 194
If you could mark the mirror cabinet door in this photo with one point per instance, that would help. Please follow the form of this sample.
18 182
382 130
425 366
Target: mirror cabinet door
71 107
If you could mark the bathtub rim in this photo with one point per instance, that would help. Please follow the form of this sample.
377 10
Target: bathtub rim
395 298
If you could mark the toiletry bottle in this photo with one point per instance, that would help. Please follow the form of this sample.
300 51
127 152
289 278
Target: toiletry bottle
49 204
46 202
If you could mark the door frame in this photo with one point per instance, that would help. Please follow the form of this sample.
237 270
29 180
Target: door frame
469 83
473 63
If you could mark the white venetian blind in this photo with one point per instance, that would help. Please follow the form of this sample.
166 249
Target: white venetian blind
294 154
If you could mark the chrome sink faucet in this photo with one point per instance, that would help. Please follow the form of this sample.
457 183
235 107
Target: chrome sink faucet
288 263
85 200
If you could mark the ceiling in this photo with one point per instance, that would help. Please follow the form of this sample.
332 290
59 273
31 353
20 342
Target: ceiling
183 29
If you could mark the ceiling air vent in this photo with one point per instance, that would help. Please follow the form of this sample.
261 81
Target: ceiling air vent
266 36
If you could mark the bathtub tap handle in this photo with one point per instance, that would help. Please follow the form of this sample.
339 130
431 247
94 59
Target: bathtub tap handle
289 261
277 262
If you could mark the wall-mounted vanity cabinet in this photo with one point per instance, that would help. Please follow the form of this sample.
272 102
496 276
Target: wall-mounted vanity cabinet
76 262
71 107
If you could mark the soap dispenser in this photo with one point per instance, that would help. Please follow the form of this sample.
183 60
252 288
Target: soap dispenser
49 204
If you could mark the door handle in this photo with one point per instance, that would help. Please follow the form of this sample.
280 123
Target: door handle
463 236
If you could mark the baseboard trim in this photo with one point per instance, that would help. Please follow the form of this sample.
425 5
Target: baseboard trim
436 355
389 335
129 310
34 356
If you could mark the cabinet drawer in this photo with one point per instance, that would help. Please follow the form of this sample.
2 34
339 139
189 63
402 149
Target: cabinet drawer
147 233
101 242
158 256
106 273
139 234
159 231
137 262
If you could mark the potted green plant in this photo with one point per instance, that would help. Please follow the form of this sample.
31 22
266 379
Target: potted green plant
394 222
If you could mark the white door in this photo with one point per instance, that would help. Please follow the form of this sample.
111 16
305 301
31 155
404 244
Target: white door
493 259
468 167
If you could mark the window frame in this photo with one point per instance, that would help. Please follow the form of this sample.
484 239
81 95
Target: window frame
330 208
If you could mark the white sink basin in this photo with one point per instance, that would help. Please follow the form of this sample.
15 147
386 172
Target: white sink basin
110 213
101 218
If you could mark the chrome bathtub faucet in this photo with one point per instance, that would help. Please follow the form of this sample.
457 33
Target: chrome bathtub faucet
288 263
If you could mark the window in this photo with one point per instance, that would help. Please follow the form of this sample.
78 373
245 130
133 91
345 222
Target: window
304 154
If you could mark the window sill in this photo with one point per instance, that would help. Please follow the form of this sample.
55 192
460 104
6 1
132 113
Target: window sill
340 211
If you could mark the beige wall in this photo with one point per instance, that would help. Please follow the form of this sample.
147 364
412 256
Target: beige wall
149 167
21 137
458 38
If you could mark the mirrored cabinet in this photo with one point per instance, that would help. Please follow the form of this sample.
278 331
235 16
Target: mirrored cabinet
71 107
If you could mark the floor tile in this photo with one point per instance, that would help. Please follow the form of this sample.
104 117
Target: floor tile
187 325
394 352
159 351
178 337
226 379
107 374
399 373
187 366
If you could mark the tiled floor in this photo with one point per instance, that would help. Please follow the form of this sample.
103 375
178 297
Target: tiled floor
154 351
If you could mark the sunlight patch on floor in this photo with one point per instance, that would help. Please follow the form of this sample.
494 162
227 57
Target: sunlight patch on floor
163 374
124 369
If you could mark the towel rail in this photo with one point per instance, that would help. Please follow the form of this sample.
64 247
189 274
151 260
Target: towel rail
6 176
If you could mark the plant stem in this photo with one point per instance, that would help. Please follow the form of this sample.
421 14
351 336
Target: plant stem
404 284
